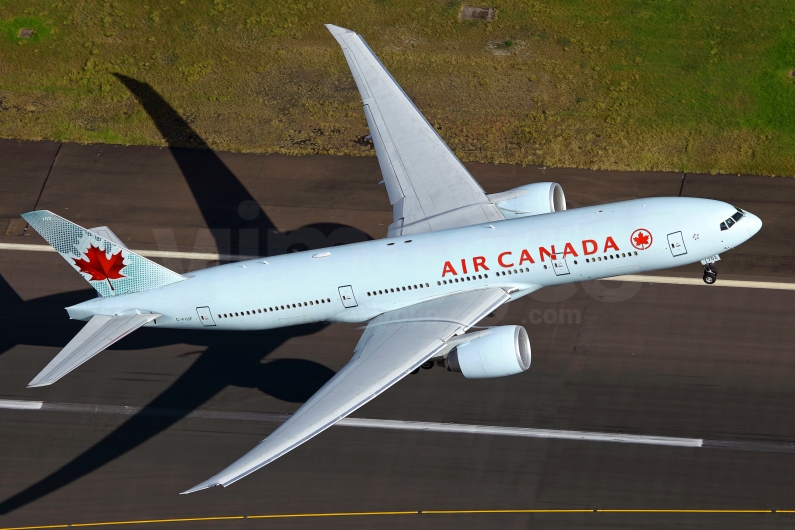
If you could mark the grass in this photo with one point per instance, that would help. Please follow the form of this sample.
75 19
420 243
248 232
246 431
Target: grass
622 84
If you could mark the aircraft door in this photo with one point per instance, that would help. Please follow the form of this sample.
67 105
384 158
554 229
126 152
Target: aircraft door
677 244
205 317
346 295
559 265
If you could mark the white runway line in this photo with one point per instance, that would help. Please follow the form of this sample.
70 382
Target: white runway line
20 405
455 428
145 253
523 432
450 428
209 256
696 281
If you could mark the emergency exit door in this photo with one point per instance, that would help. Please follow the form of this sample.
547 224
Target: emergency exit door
205 317
346 295
677 244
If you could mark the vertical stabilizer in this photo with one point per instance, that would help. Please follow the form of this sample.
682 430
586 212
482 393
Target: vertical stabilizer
109 267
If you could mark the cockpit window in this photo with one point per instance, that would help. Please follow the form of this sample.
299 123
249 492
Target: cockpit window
731 221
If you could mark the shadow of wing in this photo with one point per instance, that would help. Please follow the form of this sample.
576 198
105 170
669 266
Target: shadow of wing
221 197
230 359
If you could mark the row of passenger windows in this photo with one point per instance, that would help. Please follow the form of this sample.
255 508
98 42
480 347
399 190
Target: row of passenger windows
275 308
611 256
397 289
466 279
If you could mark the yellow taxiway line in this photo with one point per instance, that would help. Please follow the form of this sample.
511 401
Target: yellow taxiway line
417 512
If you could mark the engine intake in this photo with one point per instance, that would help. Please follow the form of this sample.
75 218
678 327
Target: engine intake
503 351
530 199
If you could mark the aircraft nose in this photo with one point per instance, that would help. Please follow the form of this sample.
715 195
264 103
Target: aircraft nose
753 223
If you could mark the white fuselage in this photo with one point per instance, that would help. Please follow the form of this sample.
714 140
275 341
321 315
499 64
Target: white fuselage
386 274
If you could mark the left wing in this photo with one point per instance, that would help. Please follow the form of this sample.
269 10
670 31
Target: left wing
393 344
428 187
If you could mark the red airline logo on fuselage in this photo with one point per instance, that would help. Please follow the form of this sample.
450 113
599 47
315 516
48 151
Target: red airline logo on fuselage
510 259
641 239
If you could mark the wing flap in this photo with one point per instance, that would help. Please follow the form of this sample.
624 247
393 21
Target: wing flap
393 344
99 333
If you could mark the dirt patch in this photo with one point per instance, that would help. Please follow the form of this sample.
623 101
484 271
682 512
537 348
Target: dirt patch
477 13
26 33
505 46
365 141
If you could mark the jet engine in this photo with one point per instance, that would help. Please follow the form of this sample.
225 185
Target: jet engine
504 350
530 199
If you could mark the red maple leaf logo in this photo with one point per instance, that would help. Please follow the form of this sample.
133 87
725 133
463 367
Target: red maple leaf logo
100 267
641 239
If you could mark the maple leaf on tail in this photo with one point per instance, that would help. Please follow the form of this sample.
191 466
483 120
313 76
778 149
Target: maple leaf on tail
100 267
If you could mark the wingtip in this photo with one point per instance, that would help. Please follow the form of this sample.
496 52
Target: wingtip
337 30
203 486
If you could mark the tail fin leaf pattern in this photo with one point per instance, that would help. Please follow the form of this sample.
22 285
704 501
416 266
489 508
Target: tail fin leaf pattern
110 268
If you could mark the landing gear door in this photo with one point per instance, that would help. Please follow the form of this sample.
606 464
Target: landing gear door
559 265
677 244
205 317
346 295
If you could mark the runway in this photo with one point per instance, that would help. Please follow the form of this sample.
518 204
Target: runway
658 358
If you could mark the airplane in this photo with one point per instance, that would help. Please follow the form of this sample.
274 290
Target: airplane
452 256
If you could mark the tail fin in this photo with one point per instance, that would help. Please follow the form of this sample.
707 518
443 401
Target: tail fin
109 267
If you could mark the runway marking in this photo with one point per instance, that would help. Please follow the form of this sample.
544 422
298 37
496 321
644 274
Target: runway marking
413 512
523 432
331 514
152 521
367 423
671 280
401 425
35 527
209 256
20 405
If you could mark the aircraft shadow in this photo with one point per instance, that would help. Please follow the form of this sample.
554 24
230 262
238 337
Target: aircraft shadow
225 203
230 358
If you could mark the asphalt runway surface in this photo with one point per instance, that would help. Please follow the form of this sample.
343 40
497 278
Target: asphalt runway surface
120 437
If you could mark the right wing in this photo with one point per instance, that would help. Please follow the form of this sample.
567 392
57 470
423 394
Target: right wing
428 187
98 334
393 344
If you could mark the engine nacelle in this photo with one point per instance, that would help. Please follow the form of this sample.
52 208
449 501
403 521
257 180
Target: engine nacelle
531 199
503 351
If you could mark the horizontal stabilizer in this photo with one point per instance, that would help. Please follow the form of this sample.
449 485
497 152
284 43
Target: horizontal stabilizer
98 334
107 233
